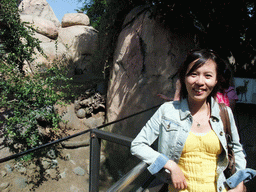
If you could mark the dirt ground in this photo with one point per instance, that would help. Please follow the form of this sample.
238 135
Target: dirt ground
58 179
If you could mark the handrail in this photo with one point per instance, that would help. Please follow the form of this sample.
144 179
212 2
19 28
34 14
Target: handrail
95 148
112 137
95 142
128 178
42 146
71 136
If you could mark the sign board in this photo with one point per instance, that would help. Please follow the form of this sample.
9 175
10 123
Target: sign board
246 90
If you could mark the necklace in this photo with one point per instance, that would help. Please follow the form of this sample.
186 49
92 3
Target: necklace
198 124
208 114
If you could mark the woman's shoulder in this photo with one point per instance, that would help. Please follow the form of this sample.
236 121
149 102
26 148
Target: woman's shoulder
170 106
170 111
171 103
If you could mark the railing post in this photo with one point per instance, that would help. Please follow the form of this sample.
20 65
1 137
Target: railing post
95 145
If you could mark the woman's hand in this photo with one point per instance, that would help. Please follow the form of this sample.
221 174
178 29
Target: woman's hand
238 188
178 178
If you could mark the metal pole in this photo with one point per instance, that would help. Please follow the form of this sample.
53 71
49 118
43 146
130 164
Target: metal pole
95 145
113 137
128 178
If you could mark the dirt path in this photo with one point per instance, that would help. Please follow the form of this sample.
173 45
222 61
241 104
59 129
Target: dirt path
61 178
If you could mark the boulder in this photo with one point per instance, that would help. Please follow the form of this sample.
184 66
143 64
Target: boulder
74 44
53 50
38 8
41 25
45 27
28 19
71 19
145 63
79 39
81 42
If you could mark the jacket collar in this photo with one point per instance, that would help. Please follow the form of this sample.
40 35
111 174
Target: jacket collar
215 109
184 109
185 112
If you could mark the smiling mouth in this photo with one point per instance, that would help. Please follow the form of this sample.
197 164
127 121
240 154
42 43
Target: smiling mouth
199 90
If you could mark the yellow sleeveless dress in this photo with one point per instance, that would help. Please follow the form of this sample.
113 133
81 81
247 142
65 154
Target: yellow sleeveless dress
198 162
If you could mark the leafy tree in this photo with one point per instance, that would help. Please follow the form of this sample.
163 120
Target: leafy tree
16 38
28 99
94 9
225 26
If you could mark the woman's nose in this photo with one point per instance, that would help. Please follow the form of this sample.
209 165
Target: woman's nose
200 80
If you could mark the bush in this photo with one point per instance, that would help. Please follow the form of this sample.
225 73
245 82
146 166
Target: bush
16 38
30 101
27 99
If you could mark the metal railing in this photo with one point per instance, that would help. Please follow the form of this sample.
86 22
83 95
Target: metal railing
139 172
71 136
124 183
95 147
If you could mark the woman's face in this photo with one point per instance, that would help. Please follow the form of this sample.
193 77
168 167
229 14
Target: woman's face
200 83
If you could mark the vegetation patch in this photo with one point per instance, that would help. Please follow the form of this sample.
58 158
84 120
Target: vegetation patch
27 99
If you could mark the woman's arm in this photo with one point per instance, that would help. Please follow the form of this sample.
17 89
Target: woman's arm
238 188
178 178
141 145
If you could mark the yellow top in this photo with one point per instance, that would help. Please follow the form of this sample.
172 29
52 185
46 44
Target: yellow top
198 162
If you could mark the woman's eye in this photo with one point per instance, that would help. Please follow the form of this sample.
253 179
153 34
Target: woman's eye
193 74
208 76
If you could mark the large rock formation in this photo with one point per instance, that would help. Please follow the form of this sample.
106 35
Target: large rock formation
72 42
146 61
145 64
38 8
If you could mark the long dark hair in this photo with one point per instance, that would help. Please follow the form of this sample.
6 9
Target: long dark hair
200 57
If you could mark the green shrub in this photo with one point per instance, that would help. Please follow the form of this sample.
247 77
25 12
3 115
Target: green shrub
16 38
30 103
28 100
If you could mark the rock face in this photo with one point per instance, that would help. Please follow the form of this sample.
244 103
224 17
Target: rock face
74 43
145 64
38 8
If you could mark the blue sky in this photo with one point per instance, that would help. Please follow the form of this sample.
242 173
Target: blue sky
61 7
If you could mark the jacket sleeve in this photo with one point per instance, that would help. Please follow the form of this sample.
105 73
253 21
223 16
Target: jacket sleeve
140 146
237 147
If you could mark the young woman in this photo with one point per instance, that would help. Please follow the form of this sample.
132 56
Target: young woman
192 146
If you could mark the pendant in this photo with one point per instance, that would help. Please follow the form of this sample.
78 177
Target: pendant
198 124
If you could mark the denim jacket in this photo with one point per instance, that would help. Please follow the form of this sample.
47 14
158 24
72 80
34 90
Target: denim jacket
244 175
171 125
